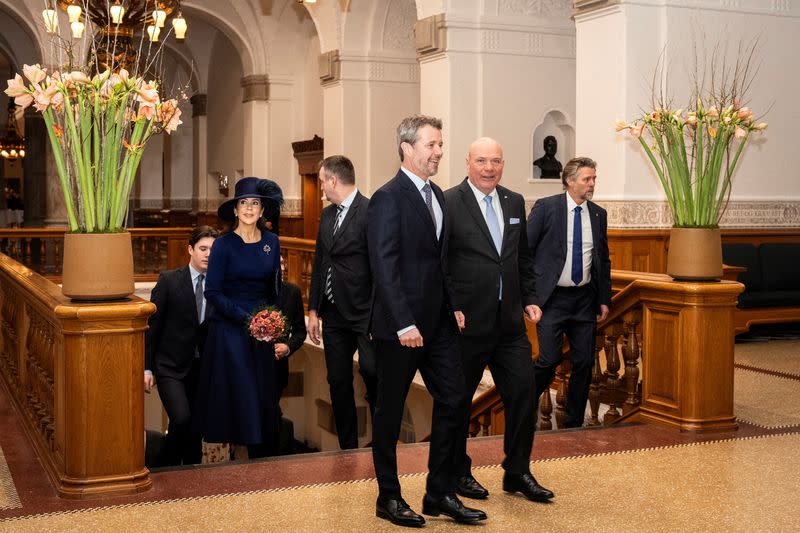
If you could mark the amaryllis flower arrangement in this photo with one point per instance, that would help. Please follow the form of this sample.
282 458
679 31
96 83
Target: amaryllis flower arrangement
98 127
695 151
268 325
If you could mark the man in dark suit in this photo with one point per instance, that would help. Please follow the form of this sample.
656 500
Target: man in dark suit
568 237
174 342
341 294
291 305
413 324
491 277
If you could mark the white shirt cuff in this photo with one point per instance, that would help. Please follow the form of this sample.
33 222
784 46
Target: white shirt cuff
405 330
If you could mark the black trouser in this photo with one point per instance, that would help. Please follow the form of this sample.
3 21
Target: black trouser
181 446
341 340
570 311
439 363
509 359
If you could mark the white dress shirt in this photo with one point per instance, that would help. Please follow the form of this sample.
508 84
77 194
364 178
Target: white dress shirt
498 210
437 209
345 206
195 275
586 240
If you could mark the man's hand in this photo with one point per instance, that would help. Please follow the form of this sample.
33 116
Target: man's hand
461 322
411 339
603 313
313 327
149 381
533 313
281 351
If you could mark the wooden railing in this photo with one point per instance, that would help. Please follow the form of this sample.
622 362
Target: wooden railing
676 343
154 250
74 373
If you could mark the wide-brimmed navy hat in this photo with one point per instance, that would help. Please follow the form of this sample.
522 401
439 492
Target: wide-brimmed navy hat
250 187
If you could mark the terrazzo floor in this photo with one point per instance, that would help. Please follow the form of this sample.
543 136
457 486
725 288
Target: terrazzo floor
621 478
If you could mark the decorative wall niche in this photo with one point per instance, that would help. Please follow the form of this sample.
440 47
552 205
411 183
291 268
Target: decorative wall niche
557 124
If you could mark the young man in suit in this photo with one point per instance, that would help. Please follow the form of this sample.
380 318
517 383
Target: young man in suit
413 324
491 276
341 293
568 236
174 343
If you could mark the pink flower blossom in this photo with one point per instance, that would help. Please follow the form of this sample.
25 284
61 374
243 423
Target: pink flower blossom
34 73
169 114
16 87
636 131
24 100
740 132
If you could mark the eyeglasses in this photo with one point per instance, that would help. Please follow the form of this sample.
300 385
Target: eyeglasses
244 202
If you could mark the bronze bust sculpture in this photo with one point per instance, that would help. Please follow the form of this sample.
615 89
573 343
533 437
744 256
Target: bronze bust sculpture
549 165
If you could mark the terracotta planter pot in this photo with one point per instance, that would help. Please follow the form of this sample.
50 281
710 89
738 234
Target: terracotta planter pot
97 266
695 254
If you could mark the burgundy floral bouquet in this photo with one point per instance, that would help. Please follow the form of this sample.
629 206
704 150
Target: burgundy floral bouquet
268 325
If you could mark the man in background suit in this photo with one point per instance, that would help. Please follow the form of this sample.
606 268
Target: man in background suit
413 326
491 277
291 305
568 237
341 293
174 342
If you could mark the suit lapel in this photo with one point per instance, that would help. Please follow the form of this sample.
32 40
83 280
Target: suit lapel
351 212
505 205
413 195
561 215
472 207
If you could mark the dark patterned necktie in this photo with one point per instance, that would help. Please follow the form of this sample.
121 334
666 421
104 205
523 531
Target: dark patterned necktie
429 201
329 276
198 297
577 248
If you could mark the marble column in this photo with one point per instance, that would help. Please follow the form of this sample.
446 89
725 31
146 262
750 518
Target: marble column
255 102
201 185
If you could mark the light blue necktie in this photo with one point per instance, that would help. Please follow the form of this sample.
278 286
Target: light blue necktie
577 248
494 231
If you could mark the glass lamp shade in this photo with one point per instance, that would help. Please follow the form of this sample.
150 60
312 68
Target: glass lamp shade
159 17
117 12
50 20
77 29
153 32
74 11
179 25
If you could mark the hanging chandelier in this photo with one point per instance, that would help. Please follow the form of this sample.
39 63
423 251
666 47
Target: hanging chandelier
12 145
115 22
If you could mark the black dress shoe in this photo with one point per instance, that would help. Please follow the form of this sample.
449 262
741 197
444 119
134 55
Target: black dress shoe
451 506
469 487
397 511
527 485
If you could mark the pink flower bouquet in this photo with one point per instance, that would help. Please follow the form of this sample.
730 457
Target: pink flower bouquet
268 325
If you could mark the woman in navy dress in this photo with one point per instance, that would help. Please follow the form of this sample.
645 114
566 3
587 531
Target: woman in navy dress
236 397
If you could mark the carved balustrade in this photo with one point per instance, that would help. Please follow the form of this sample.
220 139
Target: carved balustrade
74 372
154 250
663 355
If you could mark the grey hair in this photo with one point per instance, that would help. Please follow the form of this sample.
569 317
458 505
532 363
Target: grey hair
573 166
408 127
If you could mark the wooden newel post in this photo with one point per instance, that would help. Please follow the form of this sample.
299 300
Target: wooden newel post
687 371
74 372
103 399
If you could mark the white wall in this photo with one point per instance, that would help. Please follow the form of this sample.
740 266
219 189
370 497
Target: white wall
224 109
617 51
